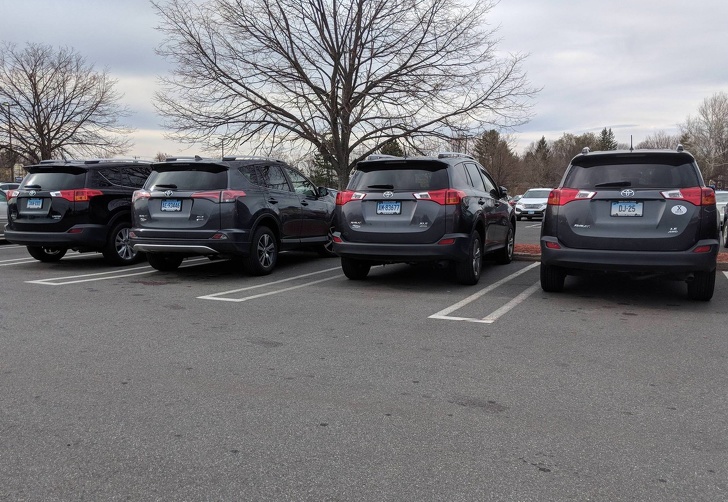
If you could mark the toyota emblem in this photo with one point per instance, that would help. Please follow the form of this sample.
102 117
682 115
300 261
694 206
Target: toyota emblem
388 194
627 193
168 193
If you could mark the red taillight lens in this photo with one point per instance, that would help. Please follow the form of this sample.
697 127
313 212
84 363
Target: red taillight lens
552 245
219 196
140 194
442 197
12 194
348 195
82 195
694 195
702 249
562 196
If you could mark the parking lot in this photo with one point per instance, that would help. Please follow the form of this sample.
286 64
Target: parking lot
208 384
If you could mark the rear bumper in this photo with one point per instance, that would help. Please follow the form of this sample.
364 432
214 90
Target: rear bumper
398 253
661 262
78 236
228 242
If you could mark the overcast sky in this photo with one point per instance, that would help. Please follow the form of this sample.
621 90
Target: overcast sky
636 67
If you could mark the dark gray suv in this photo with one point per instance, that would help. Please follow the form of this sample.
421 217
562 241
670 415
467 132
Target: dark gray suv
423 209
244 207
636 212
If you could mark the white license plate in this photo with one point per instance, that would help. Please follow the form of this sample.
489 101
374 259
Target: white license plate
35 203
626 208
388 207
171 205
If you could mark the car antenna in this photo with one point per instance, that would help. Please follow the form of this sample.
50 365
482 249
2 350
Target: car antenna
630 144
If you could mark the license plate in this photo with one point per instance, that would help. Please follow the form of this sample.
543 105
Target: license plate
171 205
624 208
35 203
389 207
530 212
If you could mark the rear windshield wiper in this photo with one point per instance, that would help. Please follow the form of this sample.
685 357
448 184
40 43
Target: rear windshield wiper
33 187
385 187
165 186
614 184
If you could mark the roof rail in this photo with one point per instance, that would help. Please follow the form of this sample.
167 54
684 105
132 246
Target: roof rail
446 155
248 157
185 157
131 160
381 156
585 150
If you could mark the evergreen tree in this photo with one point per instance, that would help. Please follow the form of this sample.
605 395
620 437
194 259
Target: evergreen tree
322 173
391 147
606 140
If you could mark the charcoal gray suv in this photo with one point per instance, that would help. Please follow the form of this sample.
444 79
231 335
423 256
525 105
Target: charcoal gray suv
423 209
84 205
635 212
247 208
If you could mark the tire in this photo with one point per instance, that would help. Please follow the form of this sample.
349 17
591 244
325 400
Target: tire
165 262
505 256
701 287
468 271
518 218
326 250
46 254
263 252
552 278
356 270
118 250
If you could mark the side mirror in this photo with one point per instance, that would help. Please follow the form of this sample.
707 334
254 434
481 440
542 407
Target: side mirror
323 191
503 191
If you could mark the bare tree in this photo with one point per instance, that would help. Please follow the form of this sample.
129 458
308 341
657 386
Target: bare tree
58 105
338 76
707 135
660 139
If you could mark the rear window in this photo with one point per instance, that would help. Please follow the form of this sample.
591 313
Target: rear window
399 176
67 179
635 175
192 178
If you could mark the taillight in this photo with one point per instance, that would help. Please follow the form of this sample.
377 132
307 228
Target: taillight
695 195
140 194
82 195
348 195
219 196
443 197
12 194
562 196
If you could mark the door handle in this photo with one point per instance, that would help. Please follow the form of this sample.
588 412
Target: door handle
273 201
304 203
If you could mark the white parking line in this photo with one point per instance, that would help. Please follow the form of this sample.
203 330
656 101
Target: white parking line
111 274
443 314
16 261
216 296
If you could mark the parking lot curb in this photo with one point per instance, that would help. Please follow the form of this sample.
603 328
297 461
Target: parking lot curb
722 265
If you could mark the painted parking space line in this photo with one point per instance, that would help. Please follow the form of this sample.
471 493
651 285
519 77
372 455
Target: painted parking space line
445 313
16 261
220 296
111 274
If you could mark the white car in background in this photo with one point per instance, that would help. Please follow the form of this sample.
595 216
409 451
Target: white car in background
533 203
721 198
3 213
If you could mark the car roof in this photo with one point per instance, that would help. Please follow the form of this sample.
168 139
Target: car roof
228 161
87 164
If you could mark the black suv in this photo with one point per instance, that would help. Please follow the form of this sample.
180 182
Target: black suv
247 207
419 209
76 204
638 212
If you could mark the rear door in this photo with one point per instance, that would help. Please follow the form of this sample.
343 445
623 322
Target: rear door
184 197
630 205
282 200
47 199
398 202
